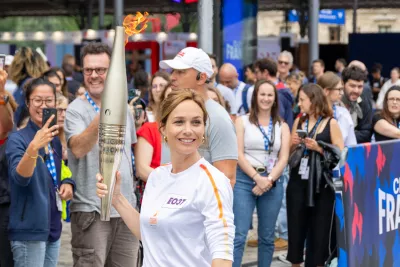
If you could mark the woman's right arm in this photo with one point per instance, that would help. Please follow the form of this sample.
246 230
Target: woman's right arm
129 214
143 156
384 128
242 161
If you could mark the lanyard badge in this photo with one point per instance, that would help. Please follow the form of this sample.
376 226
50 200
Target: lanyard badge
51 166
268 139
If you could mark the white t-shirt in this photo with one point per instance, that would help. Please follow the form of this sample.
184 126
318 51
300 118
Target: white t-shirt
238 97
187 218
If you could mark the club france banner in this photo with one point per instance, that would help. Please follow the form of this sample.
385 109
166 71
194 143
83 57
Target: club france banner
368 206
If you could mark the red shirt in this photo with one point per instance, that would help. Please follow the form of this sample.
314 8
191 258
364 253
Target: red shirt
2 141
149 131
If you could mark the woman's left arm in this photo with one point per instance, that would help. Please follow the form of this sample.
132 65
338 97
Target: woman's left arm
216 205
283 153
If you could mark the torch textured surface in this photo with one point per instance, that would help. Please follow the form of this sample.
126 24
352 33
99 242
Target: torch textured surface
113 120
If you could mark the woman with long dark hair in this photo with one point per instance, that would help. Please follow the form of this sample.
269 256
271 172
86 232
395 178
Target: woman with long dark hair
386 123
263 145
310 201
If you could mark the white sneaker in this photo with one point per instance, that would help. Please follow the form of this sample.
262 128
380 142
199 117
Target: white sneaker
282 258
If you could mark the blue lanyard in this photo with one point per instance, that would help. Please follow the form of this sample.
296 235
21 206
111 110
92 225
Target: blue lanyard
90 100
312 131
398 123
51 166
334 112
267 138
97 109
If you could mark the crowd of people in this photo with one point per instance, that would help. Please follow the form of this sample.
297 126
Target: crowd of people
203 152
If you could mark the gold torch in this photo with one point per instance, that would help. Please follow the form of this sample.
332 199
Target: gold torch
114 111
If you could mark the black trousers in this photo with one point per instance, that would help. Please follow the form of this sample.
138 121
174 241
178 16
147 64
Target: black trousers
6 257
314 224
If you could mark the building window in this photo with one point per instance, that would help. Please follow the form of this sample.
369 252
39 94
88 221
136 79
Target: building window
334 34
384 28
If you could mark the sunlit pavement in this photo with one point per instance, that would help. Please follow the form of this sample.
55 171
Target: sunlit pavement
250 255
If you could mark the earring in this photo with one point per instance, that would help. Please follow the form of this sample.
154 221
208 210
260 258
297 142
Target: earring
165 139
203 139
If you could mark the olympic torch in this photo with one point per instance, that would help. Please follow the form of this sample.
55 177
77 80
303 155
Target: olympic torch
113 114
113 120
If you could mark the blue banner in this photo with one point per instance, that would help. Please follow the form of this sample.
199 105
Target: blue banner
369 216
328 16
236 15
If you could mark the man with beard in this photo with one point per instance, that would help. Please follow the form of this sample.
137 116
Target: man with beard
357 103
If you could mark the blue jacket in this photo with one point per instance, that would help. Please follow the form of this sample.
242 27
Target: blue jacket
33 211
286 101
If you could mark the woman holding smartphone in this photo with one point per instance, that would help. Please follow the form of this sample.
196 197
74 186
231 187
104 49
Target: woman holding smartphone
34 158
306 221
263 142
186 217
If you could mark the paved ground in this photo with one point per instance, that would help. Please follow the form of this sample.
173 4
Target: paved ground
250 257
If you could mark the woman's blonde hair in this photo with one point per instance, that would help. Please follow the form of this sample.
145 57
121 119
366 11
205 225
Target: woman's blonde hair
27 63
60 98
174 99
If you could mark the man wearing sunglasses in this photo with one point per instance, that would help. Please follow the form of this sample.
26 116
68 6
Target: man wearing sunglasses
285 63
95 242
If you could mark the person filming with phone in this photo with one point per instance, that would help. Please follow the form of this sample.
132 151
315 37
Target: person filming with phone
316 140
34 158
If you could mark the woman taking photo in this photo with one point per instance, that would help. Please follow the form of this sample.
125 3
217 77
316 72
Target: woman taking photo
333 89
264 143
386 123
158 84
34 158
186 217
310 208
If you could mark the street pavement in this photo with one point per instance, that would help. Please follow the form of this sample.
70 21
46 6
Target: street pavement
65 260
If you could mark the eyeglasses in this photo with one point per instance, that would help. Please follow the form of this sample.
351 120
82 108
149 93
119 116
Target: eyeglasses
38 102
394 99
280 62
99 71
341 89
61 110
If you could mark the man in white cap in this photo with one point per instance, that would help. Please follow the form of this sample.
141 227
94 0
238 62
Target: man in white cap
10 85
191 68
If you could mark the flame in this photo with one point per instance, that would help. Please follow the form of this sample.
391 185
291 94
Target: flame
135 24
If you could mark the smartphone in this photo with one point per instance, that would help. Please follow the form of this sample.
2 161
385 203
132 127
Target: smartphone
302 133
47 112
2 61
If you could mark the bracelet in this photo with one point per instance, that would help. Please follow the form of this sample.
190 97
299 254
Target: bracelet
252 177
32 157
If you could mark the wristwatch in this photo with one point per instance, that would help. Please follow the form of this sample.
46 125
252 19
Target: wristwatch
4 100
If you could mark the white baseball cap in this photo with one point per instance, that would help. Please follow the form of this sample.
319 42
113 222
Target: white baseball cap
190 57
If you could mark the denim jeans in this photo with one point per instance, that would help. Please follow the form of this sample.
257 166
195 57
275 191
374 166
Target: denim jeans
268 206
281 230
35 253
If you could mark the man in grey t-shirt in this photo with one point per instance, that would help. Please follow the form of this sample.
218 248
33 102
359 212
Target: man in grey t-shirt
192 69
95 242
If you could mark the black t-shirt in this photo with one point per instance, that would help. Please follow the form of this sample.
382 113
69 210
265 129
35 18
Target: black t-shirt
378 136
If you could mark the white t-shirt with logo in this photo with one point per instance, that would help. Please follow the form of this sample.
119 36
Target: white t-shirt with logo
187 218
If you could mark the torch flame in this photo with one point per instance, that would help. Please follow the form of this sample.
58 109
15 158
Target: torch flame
131 24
